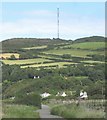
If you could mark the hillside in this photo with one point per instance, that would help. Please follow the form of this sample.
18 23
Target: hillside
91 39
26 57
17 43
31 67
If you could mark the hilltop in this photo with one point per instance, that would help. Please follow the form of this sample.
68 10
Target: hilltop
17 43
91 39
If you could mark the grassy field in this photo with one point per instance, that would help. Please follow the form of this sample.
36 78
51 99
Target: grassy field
26 61
59 64
78 77
38 47
19 111
74 111
91 61
88 45
7 55
79 53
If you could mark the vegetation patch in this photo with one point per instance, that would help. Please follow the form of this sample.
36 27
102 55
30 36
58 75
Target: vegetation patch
26 61
19 111
8 55
72 52
74 111
92 61
55 64
37 47
87 45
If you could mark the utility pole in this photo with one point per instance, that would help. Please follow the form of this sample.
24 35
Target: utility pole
58 23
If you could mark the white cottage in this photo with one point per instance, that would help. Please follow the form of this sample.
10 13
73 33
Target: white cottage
45 95
63 94
83 95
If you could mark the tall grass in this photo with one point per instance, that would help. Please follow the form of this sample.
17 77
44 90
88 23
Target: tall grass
74 111
19 111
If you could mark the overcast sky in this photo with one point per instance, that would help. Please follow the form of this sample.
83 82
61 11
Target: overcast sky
39 19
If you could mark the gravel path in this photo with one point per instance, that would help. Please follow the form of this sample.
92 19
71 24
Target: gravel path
45 113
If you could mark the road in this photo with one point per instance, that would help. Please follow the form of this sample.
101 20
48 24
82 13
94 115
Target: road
45 113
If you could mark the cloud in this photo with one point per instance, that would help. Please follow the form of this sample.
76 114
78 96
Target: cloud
47 26
83 28
28 27
38 13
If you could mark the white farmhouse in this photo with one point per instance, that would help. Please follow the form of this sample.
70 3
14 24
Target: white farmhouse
45 95
63 94
83 95
12 98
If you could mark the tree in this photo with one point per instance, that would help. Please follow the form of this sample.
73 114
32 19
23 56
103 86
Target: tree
66 56
12 57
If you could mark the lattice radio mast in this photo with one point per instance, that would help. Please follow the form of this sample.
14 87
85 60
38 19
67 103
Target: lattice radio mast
58 23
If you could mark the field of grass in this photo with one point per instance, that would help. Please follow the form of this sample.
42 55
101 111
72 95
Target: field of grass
72 52
7 55
26 61
78 77
74 111
91 61
38 47
88 45
19 111
59 64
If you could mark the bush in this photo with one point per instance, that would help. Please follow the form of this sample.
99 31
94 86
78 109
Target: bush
67 56
31 99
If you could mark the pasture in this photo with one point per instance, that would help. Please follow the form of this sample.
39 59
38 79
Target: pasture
37 47
91 61
8 55
72 52
26 61
59 64
87 45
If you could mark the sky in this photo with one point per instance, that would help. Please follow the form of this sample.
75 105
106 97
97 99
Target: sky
39 19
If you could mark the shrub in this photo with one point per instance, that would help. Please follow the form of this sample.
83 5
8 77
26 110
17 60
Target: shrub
31 99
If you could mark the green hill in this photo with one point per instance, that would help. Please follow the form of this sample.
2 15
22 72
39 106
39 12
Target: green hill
91 39
50 58
32 66
17 43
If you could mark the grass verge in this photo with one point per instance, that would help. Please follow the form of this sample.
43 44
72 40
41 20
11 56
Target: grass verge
74 111
19 111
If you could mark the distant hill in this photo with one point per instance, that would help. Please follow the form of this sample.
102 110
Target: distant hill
17 43
91 39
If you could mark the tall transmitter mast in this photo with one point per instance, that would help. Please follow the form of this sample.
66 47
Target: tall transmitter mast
58 23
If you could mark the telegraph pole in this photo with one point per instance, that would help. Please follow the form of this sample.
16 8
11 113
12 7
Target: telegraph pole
58 23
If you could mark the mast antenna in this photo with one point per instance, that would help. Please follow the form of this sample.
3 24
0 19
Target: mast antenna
58 23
